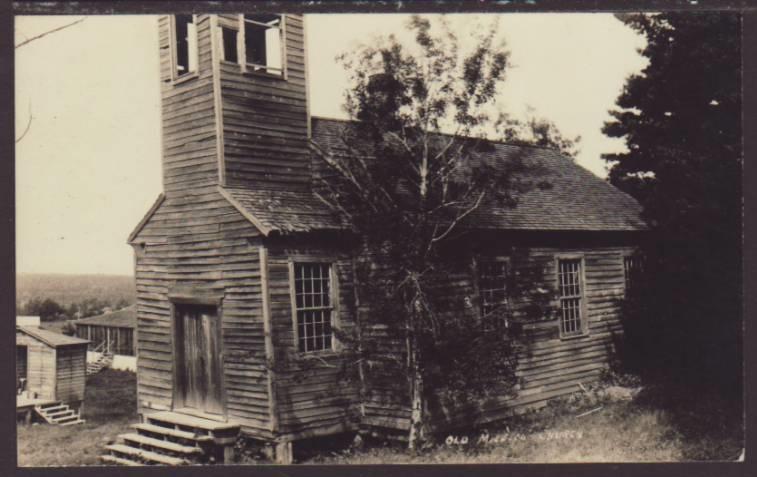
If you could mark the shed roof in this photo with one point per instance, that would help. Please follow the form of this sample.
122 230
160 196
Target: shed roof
50 338
284 211
124 318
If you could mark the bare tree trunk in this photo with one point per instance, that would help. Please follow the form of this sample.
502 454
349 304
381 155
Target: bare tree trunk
417 417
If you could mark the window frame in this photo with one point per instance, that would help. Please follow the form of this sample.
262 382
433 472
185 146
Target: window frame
583 329
479 261
627 279
176 78
249 68
333 298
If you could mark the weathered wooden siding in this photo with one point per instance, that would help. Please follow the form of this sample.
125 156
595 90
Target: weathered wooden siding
265 118
201 242
190 149
40 366
548 366
71 373
315 394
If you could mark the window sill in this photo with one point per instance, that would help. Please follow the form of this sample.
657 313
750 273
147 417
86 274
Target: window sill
185 78
249 69
316 355
574 337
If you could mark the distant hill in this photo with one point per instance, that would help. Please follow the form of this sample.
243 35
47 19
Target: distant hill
67 289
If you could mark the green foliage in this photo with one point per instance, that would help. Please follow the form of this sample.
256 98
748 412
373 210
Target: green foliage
681 120
537 131
61 297
69 289
423 118
46 309
68 328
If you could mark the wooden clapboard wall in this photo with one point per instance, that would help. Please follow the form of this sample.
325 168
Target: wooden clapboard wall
315 395
201 242
265 117
40 366
71 373
190 139
548 366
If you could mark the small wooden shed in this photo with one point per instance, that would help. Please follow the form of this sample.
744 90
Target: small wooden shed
111 332
53 365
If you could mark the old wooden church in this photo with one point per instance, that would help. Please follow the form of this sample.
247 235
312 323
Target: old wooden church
241 274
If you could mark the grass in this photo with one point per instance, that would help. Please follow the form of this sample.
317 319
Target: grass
658 425
683 427
110 407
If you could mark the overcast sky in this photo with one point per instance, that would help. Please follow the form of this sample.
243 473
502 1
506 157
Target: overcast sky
89 167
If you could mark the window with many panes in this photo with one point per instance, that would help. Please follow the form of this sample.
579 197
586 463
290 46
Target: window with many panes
571 296
263 42
492 287
632 266
185 45
313 306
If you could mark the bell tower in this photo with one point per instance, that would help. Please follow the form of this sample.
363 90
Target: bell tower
234 102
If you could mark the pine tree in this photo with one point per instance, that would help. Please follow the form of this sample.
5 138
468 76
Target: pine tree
681 120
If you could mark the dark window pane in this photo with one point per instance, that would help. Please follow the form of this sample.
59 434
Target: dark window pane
182 45
230 45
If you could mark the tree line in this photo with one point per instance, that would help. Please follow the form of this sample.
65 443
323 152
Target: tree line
49 309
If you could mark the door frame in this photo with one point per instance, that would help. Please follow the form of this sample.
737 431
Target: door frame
202 299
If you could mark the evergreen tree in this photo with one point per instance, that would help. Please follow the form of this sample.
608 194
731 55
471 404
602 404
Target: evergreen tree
681 120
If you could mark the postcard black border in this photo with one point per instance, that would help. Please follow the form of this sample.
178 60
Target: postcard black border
8 460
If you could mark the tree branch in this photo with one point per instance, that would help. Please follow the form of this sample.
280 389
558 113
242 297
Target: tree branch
459 218
26 42
28 124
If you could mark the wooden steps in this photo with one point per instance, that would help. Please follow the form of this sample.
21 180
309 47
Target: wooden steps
59 413
117 460
144 441
150 429
105 360
142 456
171 438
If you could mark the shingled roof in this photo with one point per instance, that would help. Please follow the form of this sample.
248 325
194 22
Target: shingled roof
284 211
564 196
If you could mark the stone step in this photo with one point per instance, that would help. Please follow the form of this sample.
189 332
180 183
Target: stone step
143 454
118 460
175 433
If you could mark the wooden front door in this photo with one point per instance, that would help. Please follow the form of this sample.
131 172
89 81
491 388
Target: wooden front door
198 362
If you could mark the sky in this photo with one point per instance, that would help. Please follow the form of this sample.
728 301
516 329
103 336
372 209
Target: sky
89 168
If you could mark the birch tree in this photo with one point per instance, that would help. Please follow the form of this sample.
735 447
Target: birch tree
408 186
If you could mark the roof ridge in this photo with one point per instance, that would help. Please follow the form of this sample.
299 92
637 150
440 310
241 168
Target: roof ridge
495 141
